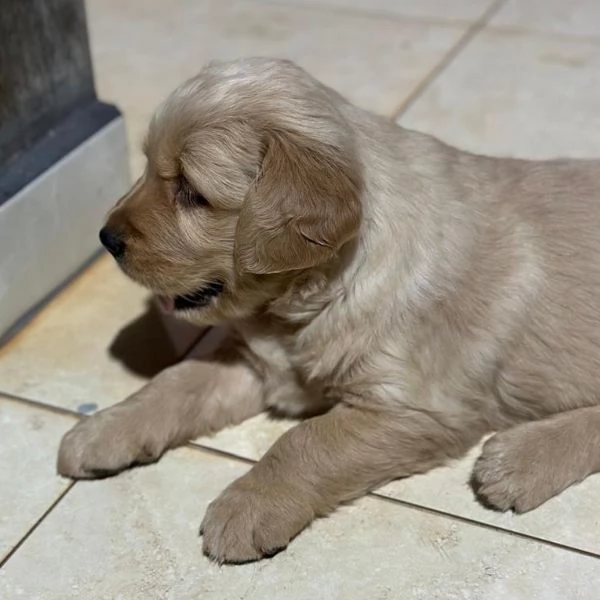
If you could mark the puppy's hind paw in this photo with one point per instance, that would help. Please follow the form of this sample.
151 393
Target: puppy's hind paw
516 471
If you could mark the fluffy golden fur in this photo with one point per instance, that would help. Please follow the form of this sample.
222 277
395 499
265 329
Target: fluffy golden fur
409 296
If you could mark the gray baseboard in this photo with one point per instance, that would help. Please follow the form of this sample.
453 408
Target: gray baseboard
49 228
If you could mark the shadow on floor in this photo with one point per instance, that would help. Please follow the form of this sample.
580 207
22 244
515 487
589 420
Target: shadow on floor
146 346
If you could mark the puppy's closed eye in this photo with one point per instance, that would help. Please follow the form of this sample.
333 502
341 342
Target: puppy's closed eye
187 196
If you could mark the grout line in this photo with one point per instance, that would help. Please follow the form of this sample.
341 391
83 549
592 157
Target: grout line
195 343
484 525
224 454
188 351
387 15
506 29
41 405
220 453
458 47
32 529
419 507
377 14
73 413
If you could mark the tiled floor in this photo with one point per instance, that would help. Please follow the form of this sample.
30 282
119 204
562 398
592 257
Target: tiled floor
517 77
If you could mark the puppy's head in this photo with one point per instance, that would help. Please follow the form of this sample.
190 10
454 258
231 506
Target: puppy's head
251 179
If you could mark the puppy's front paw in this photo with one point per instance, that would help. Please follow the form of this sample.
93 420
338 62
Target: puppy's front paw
106 443
249 521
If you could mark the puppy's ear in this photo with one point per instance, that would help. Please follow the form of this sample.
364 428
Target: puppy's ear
303 206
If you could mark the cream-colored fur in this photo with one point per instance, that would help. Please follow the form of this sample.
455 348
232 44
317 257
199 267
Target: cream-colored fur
410 295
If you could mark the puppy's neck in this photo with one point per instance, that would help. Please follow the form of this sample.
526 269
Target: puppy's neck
311 291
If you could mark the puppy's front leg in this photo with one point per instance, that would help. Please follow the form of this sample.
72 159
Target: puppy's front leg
190 399
314 467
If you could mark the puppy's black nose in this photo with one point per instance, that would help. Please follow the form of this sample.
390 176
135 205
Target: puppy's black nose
112 242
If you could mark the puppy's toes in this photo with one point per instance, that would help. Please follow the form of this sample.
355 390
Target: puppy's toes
511 472
246 524
102 445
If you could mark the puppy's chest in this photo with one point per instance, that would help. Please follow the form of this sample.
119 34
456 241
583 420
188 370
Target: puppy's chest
297 379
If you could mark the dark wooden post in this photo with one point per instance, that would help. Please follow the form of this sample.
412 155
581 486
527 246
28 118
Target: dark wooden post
45 78
45 69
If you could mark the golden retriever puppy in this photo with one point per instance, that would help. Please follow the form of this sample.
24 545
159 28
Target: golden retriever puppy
407 296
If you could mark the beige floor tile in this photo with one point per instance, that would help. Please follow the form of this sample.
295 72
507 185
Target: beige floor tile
467 10
251 439
572 17
135 536
571 518
28 481
94 344
143 49
516 94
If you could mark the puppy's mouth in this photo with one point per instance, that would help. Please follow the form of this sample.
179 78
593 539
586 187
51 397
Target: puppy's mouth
200 298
